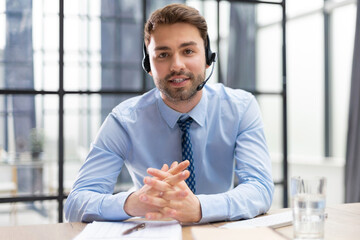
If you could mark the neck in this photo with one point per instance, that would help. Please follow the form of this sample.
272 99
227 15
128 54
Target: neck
183 106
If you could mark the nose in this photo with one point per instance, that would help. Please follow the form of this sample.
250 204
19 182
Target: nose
177 63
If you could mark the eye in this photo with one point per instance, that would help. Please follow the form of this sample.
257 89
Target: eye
188 51
163 55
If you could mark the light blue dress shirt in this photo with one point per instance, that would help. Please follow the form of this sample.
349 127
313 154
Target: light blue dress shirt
228 139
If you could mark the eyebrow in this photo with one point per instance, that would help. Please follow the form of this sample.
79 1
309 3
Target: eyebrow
191 43
162 48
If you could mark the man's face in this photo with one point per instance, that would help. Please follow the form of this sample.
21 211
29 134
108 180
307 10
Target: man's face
177 60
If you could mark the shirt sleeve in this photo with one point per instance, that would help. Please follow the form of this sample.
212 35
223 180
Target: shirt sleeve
254 192
91 197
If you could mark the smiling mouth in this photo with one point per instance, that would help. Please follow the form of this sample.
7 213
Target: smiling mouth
178 80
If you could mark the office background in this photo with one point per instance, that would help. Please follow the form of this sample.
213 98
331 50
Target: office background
65 64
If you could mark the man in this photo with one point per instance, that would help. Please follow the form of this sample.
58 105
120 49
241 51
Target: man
215 131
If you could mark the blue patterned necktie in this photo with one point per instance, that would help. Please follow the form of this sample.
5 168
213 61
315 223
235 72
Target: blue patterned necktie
187 152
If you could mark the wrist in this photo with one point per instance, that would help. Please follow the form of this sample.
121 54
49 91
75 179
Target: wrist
199 213
129 204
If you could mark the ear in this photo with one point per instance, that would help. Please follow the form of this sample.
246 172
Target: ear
207 66
150 73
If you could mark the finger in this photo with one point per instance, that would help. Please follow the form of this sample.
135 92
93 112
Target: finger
157 184
175 170
180 167
174 164
168 178
174 195
169 212
145 188
158 173
154 216
165 168
173 180
154 201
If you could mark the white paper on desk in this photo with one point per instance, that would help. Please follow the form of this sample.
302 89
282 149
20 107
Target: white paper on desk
273 220
113 230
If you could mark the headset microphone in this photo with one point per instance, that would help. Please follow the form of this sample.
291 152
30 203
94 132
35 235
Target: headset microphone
210 57
204 82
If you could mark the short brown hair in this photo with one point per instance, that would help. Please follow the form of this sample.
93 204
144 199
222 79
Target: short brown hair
175 13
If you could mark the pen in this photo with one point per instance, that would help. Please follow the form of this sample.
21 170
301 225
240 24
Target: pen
134 229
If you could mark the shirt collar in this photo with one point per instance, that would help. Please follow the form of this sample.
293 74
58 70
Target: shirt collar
198 113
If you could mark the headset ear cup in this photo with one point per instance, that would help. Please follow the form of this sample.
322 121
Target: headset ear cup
146 63
213 57
209 55
146 60
210 58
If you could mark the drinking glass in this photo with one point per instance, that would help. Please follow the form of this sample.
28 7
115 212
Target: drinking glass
308 199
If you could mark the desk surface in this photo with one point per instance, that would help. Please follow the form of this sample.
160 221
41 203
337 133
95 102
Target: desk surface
342 223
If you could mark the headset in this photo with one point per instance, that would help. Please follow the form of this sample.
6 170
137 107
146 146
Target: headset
210 57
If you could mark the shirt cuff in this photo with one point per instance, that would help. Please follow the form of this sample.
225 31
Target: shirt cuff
213 208
112 207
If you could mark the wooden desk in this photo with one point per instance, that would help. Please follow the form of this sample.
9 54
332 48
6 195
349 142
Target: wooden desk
342 223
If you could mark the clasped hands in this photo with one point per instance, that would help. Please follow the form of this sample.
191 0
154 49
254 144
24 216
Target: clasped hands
165 195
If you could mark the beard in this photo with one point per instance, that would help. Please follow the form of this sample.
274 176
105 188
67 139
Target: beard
184 93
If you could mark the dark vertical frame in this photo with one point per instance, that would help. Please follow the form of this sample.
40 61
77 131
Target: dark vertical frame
219 75
327 84
284 95
61 112
144 7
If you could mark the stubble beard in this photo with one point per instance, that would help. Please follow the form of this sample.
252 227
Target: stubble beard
176 95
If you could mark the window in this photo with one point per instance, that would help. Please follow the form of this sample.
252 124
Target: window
50 113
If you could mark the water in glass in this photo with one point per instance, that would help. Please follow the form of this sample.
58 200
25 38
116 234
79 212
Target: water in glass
309 214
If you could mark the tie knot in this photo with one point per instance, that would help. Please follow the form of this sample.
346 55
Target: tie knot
185 124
